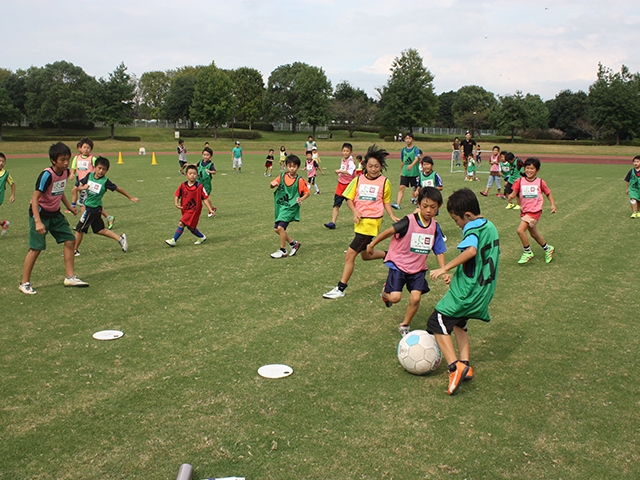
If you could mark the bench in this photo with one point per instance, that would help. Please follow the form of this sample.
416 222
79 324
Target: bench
323 137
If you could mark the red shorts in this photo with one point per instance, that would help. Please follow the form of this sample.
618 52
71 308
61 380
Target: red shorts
341 188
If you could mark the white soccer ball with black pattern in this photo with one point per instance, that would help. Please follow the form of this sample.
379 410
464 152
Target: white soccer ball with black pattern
419 353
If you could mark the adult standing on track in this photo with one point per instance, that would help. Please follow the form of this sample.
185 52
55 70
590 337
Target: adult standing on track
468 147
455 149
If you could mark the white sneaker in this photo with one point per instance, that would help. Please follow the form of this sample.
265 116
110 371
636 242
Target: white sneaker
5 227
124 243
294 249
335 293
74 282
27 288
278 254
200 241
171 242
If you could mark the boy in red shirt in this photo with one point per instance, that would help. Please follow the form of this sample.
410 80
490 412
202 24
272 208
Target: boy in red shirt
189 198
530 189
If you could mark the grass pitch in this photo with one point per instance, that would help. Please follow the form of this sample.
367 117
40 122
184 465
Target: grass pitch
555 395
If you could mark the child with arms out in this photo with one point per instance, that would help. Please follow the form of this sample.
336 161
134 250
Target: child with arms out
530 189
346 173
96 185
471 287
189 198
45 217
368 197
633 187
414 237
5 179
291 191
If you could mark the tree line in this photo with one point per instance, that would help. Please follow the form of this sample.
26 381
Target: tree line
60 93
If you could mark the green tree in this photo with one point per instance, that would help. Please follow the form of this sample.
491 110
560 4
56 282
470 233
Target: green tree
178 100
352 107
473 107
567 110
249 91
8 112
408 99
15 84
298 92
444 117
213 101
519 113
614 101
59 92
152 90
114 99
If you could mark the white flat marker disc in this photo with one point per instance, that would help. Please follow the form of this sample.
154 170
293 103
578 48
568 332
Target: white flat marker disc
275 371
108 335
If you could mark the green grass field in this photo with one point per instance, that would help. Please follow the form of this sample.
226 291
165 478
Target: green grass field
554 396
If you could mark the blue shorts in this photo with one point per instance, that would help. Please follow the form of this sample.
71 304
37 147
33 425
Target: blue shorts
337 200
397 279
282 224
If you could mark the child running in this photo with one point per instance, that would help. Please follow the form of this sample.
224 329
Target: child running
96 185
189 198
291 191
283 158
312 171
530 189
495 172
206 169
346 173
45 217
5 179
471 287
368 197
515 171
268 163
182 156
414 237
633 187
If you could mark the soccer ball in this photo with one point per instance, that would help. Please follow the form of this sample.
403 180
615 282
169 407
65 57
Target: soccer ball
419 353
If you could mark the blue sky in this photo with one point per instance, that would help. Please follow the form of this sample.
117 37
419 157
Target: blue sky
533 46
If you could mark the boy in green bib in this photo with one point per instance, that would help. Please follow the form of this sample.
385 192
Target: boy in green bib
471 287
96 185
5 179
290 192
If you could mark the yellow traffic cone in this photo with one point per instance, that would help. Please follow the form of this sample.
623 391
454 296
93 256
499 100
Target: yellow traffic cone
120 162
153 158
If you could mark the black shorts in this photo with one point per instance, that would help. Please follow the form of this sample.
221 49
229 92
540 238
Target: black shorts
397 279
90 218
337 200
360 242
282 224
507 188
312 181
409 181
440 323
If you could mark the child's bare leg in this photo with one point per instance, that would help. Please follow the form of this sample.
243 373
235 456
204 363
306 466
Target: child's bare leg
109 234
394 297
535 234
29 262
400 194
104 213
462 340
377 254
74 195
79 237
522 233
334 214
412 308
349 264
68 257
446 345
284 237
